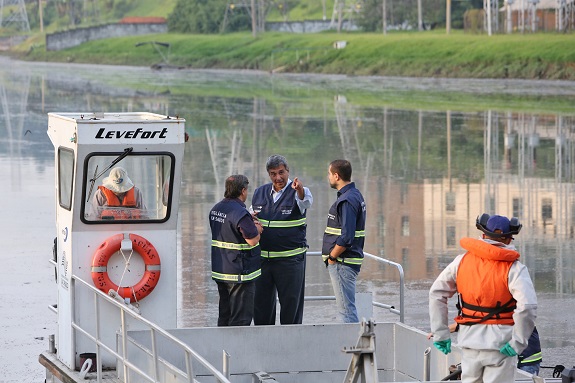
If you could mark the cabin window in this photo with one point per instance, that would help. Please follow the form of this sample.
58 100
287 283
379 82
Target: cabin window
137 189
65 177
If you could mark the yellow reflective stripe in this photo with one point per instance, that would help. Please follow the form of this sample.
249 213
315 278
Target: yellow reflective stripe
251 276
333 230
279 254
295 223
236 277
532 358
351 261
233 246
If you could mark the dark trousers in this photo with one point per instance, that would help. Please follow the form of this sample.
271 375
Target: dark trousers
236 303
286 278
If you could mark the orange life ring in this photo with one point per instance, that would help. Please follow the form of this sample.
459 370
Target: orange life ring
148 253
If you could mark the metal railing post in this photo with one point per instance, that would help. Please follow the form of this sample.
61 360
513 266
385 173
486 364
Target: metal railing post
124 345
226 364
401 311
426 364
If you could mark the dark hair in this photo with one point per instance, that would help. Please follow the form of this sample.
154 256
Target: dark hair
275 161
234 185
343 168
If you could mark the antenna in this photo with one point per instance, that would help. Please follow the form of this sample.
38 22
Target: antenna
17 15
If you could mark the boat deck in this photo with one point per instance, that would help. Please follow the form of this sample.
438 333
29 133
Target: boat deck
57 370
282 354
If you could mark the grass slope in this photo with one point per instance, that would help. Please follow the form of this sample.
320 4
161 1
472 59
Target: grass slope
414 54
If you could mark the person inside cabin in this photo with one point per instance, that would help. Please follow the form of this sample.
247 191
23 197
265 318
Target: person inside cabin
118 198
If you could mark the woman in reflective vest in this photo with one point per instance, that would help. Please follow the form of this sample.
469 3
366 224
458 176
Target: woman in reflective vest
235 254
233 259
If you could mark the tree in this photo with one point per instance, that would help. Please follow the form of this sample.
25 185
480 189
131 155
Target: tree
206 16
404 12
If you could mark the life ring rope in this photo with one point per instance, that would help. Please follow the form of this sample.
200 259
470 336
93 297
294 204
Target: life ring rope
126 267
139 245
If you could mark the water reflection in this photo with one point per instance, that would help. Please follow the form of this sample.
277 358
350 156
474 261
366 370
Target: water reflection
426 174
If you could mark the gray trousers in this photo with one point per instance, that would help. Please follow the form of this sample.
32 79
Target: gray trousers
487 366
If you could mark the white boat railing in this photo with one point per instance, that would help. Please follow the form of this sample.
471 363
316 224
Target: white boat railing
155 332
119 352
391 308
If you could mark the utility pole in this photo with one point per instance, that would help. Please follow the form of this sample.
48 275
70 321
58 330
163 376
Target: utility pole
40 16
419 16
254 24
491 20
384 16
489 17
448 16
509 18
340 5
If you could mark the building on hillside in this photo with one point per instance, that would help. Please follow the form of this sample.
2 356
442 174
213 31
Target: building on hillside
143 20
537 15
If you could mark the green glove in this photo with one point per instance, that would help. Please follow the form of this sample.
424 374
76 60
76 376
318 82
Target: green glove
507 350
444 346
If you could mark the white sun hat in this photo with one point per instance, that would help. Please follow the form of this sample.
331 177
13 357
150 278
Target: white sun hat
118 181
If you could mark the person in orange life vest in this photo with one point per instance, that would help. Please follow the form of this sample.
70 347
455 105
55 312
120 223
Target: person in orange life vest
118 190
529 360
497 303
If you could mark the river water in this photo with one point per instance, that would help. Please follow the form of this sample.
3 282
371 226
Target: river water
429 155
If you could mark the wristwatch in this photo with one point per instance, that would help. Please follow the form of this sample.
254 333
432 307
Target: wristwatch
331 258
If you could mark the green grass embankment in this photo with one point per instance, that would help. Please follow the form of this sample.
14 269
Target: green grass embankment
413 54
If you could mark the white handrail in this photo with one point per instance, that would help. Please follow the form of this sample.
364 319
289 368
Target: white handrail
189 353
401 311
154 331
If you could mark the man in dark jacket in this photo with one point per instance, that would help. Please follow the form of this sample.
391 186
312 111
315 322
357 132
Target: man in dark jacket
281 207
343 240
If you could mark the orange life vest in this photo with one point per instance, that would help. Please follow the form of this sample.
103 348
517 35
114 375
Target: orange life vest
129 201
482 284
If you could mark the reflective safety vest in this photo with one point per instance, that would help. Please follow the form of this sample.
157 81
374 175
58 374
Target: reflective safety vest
233 259
126 208
482 284
284 225
353 255
532 354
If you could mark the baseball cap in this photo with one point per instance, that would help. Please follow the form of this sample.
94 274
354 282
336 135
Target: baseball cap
498 222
